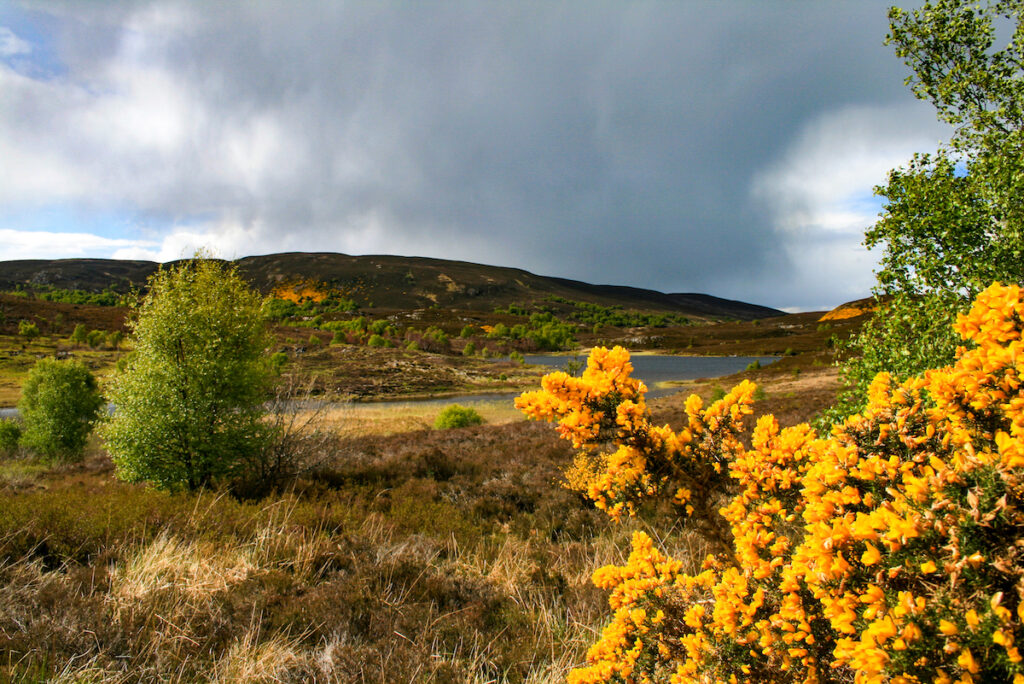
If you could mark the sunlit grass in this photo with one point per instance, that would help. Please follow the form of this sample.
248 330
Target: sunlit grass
391 418
20 472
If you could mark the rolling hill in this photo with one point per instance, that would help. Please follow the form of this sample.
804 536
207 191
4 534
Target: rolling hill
388 282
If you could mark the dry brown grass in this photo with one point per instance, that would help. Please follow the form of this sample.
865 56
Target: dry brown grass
412 554
435 556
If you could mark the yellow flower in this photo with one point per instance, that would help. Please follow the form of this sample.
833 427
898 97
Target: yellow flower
966 660
870 556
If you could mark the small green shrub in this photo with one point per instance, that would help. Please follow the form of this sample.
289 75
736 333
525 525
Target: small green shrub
717 394
516 357
469 349
376 341
277 361
80 334
60 402
754 365
10 433
314 341
456 416
96 338
28 330
575 366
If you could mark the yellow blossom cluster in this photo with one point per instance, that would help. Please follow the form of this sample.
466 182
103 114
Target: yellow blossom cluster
626 458
891 550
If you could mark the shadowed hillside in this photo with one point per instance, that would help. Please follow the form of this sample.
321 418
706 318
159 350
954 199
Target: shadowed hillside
391 282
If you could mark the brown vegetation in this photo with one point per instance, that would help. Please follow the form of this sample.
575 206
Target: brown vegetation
407 554
444 556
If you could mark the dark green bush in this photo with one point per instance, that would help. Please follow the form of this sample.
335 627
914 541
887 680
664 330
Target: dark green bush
10 433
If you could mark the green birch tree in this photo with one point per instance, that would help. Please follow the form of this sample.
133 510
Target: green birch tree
188 401
952 221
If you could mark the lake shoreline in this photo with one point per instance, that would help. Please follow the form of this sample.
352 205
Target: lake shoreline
548 363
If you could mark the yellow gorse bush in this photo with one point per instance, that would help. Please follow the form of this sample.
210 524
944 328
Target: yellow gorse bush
888 551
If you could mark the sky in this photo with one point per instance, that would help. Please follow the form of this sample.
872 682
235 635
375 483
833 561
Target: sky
728 148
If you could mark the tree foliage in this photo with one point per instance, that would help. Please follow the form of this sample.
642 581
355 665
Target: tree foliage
889 551
188 401
952 221
60 403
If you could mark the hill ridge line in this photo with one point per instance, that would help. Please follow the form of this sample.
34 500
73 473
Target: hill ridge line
389 282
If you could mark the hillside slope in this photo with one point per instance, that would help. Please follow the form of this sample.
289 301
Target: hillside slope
383 281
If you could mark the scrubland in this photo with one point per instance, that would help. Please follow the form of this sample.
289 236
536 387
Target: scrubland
406 554
410 555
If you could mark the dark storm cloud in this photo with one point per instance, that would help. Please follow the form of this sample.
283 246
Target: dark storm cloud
610 142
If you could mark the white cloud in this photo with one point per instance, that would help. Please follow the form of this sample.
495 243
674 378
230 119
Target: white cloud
818 194
23 244
822 178
11 45
233 237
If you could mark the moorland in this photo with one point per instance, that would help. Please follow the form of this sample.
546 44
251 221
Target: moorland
407 553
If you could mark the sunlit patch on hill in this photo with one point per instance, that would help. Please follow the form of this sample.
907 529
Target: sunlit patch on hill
301 291
851 310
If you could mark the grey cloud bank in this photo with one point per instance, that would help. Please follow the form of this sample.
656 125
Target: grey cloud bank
726 148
